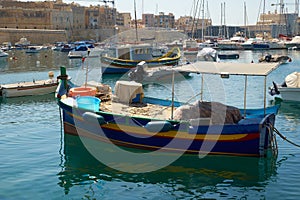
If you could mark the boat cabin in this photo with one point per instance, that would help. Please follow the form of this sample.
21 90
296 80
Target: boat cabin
132 52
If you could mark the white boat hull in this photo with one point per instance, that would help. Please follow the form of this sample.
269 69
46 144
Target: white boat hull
95 52
230 46
41 87
77 54
289 94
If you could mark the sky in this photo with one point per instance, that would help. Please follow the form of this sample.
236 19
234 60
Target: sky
234 9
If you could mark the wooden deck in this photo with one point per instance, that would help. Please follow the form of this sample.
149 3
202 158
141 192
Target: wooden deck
137 109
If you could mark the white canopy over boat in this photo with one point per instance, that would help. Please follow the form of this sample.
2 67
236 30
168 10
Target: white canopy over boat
245 69
226 69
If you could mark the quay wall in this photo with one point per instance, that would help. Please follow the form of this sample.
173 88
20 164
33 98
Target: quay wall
42 36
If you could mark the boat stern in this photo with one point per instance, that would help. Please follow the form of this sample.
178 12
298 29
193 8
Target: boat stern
268 142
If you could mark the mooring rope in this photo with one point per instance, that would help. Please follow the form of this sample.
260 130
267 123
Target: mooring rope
283 137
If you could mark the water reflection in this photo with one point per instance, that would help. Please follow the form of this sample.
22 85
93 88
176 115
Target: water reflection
290 109
289 120
27 99
187 174
20 61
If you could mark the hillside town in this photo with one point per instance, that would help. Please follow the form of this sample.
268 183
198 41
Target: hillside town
51 21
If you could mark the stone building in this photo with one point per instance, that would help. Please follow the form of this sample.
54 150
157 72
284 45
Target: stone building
165 21
280 23
187 23
161 20
97 22
148 20
127 19
72 22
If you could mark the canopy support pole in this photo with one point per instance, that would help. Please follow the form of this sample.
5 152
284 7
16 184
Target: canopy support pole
245 95
202 82
172 109
87 68
265 95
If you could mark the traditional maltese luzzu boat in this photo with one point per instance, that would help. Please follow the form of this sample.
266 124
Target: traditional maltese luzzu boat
127 118
127 57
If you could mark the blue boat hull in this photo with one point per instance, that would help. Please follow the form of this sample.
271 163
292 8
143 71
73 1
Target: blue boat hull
259 46
250 137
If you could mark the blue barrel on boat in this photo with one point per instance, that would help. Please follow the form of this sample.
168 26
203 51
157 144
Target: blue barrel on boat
158 126
93 117
89 103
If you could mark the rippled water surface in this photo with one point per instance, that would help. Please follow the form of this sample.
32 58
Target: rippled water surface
39 162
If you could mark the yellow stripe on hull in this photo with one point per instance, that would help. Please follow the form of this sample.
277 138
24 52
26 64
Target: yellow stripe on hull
171 134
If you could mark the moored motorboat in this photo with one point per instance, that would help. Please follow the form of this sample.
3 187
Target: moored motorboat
143 74
294 43
66 48
130 119
82 51
3 54
207 54
33 49
190 47
289 90
275 58
234 43
228 55
35 87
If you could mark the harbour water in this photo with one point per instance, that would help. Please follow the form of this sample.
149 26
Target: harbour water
39 162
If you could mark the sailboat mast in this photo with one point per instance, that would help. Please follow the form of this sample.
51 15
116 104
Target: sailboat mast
221 25
136 31
264 11
245 18
207 17
202 28
194 18
226 29
142 6
297 14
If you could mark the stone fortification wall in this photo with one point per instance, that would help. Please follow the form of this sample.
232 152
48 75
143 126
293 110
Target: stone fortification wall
35 36
41 36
